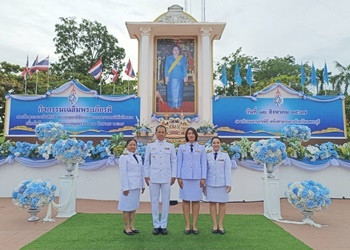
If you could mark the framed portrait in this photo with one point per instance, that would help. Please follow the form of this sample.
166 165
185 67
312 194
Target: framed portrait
175 76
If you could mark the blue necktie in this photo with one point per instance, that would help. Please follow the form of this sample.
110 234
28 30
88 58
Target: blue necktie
136 158
191 148
215 155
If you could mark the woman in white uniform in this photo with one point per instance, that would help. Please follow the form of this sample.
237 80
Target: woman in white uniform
218 183
130 170
191 175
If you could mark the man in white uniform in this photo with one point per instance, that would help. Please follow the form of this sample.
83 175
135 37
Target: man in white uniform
160 174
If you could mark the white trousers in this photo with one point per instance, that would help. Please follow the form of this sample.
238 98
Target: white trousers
155 189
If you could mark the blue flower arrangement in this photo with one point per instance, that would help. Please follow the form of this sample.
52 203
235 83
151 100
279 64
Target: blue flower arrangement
141 150
35 194
71 151
206 128
5 148
308 195
25 149
296 132
101 150
324 151
269 151
49 131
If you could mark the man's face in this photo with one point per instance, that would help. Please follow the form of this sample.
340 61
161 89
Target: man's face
160 133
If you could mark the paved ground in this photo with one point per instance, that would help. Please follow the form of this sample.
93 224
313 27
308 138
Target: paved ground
16 232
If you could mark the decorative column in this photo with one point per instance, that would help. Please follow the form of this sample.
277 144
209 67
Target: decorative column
144 91
67 197
272 208
205 86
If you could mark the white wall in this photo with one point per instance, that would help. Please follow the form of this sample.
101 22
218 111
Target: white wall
104 184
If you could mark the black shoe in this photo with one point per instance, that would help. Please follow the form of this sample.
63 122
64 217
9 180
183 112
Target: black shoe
187 231
164 231
156 231
129 233
214 231
221 231
195 231
136 231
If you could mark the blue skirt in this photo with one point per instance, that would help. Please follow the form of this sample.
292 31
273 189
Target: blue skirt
191 190
130 202
217 194
175 92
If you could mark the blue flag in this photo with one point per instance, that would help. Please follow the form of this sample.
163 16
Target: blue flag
302 75
224 76
237 77
249 76
313 76
325 74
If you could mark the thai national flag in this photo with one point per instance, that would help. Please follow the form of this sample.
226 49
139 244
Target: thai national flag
96 70
25 70
129 70
114 72
43 65
32 69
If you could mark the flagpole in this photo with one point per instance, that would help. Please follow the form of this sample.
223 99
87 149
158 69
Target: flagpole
36 82
25 85
250 90
128 84
48 80
114 87
101 86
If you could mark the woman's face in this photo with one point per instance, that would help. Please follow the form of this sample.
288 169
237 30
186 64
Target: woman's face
131 147
176 51
216 144
191 136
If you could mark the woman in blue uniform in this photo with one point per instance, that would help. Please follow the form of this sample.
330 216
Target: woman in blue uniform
175 71
191 174
130 170
218 183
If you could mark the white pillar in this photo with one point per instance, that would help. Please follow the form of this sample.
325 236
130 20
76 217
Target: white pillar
146 103
205 86
272 208
67 196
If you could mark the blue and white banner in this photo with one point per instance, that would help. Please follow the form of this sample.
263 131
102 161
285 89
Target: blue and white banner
265 113
81 111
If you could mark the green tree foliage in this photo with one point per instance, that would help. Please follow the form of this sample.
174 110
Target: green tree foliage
341 81
81 45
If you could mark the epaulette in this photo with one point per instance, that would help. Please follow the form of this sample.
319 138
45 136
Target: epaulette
209 151
153 140
125 153
224 151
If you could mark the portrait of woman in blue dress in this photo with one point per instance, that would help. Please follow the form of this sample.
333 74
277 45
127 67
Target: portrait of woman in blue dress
175 71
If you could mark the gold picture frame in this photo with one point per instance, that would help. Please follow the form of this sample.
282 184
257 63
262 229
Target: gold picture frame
175 92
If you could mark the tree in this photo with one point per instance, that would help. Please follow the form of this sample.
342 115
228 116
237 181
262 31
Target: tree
81 45
342 80
270 70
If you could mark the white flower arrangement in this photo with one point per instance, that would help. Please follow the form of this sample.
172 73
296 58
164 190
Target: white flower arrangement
35 194
269 151
308 195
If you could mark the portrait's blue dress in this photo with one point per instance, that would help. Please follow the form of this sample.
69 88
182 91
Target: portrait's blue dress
176 80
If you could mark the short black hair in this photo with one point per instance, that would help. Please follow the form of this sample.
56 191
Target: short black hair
194 132
130 140
161 126
215 137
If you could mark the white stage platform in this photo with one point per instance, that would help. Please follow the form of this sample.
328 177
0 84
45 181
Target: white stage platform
104 184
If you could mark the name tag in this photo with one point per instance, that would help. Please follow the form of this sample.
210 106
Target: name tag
167 148
197 151
221 160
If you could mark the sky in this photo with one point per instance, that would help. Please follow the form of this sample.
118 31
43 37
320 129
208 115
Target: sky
315 31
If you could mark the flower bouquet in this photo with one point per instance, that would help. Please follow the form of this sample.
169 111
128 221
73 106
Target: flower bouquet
344 151
25 149
308 196
206 128
269 152
142 129
240 150
101 150
71 152
296 132
49 131
5 148
117 144
33 195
